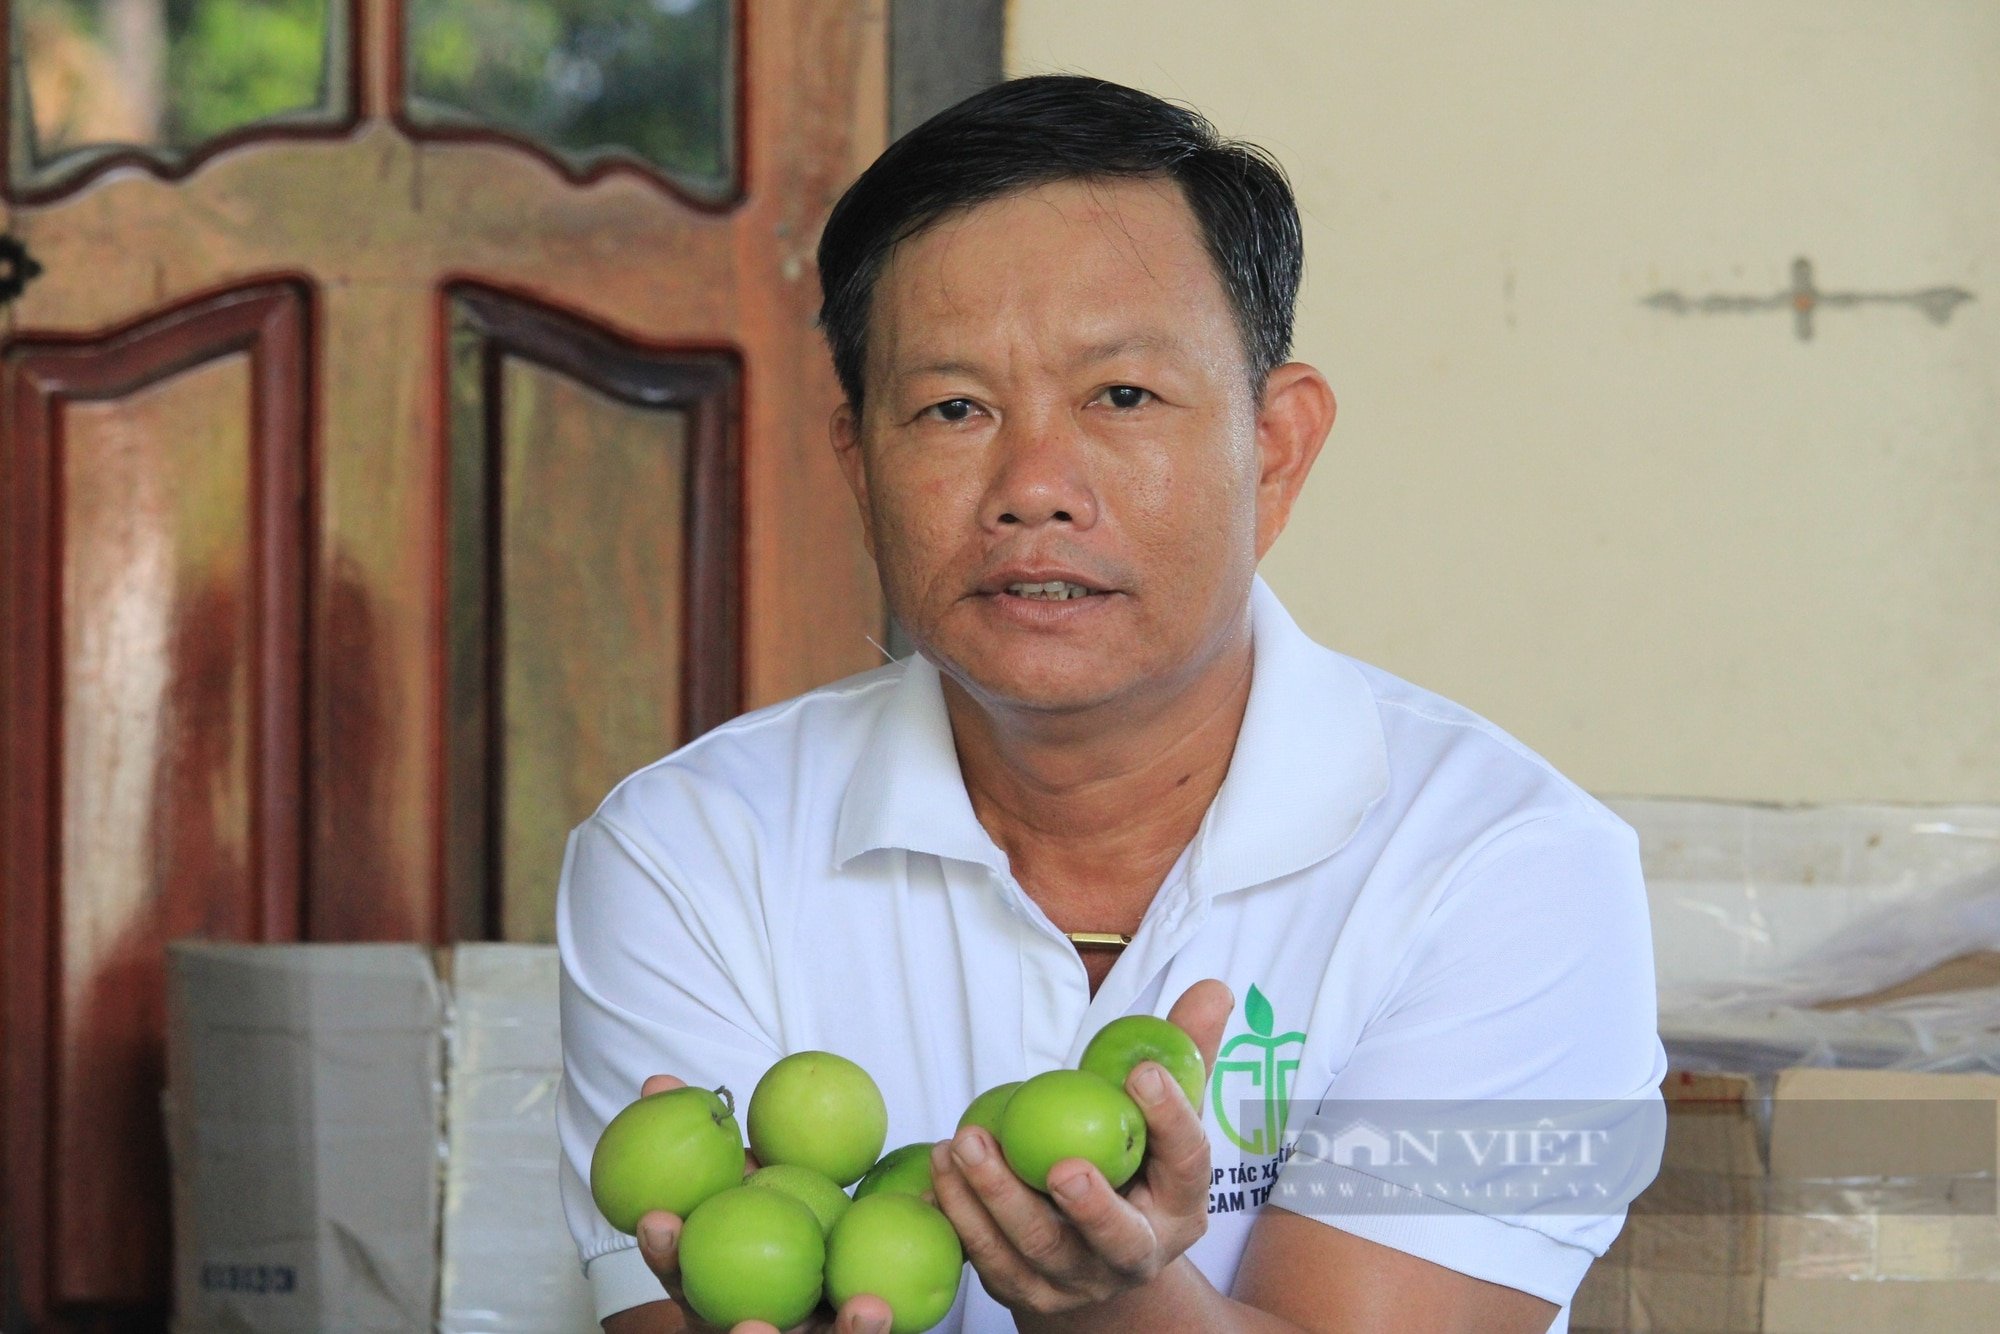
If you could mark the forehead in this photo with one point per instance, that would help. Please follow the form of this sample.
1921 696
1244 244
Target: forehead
1072 263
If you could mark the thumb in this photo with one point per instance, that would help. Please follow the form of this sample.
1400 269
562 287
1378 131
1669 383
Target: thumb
659 1242
1202 1011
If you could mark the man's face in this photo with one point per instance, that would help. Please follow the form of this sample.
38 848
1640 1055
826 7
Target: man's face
1056 386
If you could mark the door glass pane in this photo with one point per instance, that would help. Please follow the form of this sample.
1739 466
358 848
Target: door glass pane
585 79
157 685
590 587
94 76
592 533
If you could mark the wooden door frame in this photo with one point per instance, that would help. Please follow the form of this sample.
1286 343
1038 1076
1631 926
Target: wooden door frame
124 249
941 51
270 321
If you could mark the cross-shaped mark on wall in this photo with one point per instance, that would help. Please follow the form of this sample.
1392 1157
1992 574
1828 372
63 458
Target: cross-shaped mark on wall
1804 299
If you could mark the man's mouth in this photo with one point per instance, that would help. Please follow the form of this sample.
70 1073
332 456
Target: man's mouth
1054 591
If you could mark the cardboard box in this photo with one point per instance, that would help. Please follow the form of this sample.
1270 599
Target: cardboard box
1873 1204
1691 1254
1809 1185
302 1113
362 1144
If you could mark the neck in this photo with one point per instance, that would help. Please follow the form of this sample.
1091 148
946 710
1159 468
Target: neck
1095 810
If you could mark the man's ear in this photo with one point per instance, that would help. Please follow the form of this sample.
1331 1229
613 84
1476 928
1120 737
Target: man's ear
1292 424
844 431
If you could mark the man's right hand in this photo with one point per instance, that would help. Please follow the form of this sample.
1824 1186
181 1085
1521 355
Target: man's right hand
659 1243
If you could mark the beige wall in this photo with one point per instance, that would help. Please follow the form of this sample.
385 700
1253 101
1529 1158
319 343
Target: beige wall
1681 554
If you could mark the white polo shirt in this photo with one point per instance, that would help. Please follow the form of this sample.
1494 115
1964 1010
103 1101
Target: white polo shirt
1407 903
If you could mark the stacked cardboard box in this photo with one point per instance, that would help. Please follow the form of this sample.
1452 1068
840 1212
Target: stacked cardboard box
1832 1007
363 1139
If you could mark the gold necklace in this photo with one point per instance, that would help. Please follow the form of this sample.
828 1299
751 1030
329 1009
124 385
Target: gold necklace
1107 939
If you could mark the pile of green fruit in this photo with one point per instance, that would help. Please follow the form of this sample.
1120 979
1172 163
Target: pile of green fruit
773 1245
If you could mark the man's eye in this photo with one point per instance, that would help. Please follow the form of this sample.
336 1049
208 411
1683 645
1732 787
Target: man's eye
952 409
1127 396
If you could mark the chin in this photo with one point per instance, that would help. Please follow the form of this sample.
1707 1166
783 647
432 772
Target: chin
1067 698
1020 672
1043 686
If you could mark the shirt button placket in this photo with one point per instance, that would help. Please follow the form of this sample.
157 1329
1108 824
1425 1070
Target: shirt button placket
1055 992
1150 953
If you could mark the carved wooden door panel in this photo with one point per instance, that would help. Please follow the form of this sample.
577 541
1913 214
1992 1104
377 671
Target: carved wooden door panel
412 421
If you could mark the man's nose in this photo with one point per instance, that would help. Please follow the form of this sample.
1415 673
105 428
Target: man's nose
1042 476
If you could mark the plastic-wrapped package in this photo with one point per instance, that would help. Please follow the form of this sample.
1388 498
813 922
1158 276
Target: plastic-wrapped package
1861 937
508 1264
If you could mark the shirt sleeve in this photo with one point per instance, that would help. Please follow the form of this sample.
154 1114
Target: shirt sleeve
1502 1107
659 976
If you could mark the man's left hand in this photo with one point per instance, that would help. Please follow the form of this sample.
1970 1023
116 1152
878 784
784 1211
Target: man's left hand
1084 1242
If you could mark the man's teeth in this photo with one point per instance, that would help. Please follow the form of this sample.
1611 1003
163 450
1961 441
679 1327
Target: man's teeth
1055 591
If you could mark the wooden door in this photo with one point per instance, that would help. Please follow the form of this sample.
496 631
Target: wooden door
414 424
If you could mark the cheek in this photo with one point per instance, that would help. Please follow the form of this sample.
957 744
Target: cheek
920 504
1191 500
923 520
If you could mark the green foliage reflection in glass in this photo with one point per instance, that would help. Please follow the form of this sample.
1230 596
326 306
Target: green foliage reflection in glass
583 77
166 74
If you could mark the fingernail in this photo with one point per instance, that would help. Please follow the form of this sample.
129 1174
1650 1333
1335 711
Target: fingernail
871 1324
970 1149
658 1235
1073 1186
1152 1084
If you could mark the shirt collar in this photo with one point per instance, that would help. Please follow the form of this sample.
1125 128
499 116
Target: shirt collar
906 790
1309 762
1310 759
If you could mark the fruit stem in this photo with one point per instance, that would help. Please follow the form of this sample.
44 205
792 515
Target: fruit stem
728 1102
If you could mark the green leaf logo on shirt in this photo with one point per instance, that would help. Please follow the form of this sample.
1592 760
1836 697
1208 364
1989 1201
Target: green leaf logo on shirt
1257 1069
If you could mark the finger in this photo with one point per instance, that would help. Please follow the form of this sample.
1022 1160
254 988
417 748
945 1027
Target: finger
660 1084
1025 1217
659 1243
953 1194
1177 1148
863 1314
1120 1235
1006 1274
659 1246
750 1163
1202 1011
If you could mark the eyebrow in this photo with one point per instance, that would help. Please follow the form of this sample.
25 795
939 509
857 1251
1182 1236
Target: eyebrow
946 368
1118 347
1088 356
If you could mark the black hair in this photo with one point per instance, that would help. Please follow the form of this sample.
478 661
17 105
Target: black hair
1054 127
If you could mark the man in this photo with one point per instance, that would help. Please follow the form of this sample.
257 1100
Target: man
1060 313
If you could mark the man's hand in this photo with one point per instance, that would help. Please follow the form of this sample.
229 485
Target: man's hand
1090 1244
659 1243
